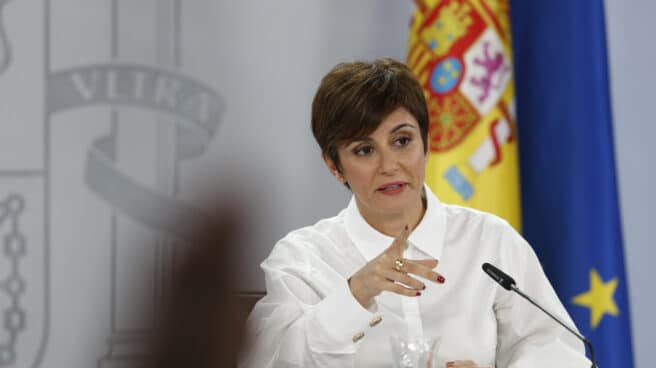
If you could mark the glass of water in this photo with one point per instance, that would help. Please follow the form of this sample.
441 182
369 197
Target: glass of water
414 352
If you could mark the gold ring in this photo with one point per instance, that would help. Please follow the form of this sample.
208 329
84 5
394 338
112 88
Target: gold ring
398 264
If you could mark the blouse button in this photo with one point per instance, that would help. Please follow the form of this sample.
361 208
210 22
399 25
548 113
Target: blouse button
376 320
358 336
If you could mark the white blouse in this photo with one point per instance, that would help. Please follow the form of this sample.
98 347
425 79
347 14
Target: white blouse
309 318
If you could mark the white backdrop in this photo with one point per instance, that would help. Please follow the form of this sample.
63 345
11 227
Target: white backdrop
109 107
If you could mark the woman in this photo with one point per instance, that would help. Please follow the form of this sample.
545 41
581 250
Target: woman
396 261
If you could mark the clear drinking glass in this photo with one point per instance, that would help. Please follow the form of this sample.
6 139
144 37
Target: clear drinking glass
414 352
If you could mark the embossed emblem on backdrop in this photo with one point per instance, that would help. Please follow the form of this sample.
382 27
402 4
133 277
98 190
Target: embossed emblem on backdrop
24 252
98 135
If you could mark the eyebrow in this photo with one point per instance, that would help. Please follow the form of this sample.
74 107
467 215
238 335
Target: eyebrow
400 126
393 130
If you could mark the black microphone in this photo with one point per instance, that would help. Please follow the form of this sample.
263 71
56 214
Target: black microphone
508 283
499 276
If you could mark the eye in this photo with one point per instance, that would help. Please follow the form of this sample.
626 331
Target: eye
363 150
402 141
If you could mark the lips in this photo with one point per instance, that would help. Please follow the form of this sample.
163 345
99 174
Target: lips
392 188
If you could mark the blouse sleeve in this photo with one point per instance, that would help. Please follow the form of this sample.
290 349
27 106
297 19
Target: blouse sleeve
309 318
526 336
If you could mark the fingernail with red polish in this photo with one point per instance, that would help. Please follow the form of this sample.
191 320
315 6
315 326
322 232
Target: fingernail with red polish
406 227
418 294
440 279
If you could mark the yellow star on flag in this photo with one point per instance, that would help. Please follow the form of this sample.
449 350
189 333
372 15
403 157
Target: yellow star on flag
599 299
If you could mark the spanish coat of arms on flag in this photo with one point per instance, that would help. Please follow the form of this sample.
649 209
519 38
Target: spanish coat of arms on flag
460 50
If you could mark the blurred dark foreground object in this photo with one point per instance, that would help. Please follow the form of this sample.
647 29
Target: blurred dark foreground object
202 323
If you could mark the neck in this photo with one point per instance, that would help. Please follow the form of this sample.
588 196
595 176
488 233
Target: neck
391 224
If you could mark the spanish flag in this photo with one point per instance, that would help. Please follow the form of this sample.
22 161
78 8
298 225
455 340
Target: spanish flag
460 50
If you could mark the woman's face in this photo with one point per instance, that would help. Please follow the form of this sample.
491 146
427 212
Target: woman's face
385 170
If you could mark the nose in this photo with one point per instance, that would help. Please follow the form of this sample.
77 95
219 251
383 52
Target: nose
389 163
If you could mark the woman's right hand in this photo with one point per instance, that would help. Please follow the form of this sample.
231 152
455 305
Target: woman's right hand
381 274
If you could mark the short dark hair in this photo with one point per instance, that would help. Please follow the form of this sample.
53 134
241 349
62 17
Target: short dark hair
354 98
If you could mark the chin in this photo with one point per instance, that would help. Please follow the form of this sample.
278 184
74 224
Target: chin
401 201
394 205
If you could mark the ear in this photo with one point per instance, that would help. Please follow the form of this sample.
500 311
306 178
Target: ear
332 167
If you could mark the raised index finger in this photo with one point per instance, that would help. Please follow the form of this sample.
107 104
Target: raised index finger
400 243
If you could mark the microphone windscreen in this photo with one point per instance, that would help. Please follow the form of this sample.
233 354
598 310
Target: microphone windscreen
499 276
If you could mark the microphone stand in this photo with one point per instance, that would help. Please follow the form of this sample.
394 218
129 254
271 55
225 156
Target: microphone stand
581 337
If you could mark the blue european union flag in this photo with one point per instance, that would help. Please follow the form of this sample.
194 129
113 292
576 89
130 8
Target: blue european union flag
569 193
